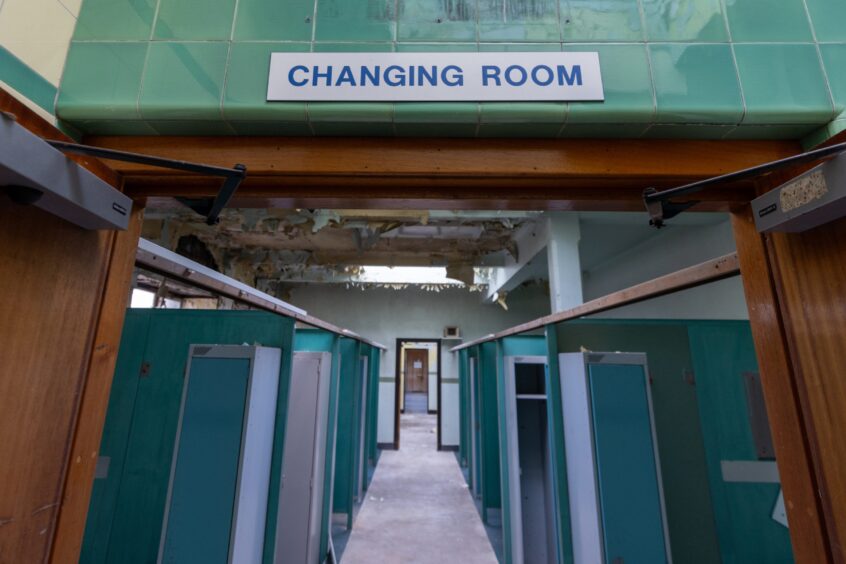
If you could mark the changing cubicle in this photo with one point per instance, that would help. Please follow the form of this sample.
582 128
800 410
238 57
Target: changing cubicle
701 486
212 449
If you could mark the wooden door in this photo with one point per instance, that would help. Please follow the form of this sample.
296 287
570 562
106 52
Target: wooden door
417 370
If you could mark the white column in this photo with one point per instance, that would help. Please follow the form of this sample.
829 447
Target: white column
565 271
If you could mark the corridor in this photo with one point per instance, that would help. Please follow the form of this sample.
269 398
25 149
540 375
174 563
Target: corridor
418 507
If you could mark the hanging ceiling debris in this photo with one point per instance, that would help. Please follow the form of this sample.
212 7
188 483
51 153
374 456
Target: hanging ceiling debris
274 249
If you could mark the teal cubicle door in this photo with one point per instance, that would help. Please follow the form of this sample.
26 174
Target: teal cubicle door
629 492
199 520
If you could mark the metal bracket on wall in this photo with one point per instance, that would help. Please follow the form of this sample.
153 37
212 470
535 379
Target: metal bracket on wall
660 208
208 207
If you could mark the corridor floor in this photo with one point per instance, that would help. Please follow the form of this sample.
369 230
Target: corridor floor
418 507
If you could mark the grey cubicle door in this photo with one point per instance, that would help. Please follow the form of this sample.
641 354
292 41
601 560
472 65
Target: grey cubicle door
303 460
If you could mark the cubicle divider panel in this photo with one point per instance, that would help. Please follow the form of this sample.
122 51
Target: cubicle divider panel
127 506
361 422
463 407
489 432
505 469
726 370
345 442
373 412
559 458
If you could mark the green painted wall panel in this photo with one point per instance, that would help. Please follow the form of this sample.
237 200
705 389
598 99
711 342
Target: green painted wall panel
346 429
314 340
128 506
524 345
721 353
113 444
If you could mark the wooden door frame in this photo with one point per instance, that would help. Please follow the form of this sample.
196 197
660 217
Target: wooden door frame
397 395
536 174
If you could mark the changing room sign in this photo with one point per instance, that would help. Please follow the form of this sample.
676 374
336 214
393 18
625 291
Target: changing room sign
434 77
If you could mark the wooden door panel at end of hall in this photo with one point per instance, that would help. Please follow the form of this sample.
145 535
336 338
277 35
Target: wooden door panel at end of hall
416 370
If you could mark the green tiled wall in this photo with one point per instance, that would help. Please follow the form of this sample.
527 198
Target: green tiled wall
672 69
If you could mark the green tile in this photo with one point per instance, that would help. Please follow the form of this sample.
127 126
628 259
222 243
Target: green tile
22 78
603 130
828 18
272 20
437 112
359 47
181 19
519 130
756 132
355 20
691 20
191 127
363 129
424 20
520 47
184 81
246 84
783 84
605 20
627 83
548 113
519 20
114 127
834 60
271 128
351 111
435 129
101 81
822 134
687 131
437 47
696 84
107 19
768 20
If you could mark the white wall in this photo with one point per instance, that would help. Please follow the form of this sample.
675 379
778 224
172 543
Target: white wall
385 315
38 32
674 248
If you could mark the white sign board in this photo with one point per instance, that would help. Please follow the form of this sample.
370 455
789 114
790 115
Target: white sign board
434 77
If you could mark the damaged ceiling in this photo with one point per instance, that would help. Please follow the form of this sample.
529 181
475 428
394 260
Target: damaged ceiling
275 248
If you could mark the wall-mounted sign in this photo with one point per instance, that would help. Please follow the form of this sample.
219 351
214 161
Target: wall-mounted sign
434 77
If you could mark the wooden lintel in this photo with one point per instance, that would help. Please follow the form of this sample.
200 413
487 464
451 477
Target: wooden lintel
697 275
569 174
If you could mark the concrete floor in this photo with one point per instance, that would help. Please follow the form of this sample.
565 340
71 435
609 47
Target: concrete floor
418 507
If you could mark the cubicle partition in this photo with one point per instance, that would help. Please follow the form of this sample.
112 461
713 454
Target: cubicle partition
211 452
705 476
126 514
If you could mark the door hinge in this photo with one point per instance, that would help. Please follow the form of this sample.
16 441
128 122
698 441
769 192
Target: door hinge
145 370
689 377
